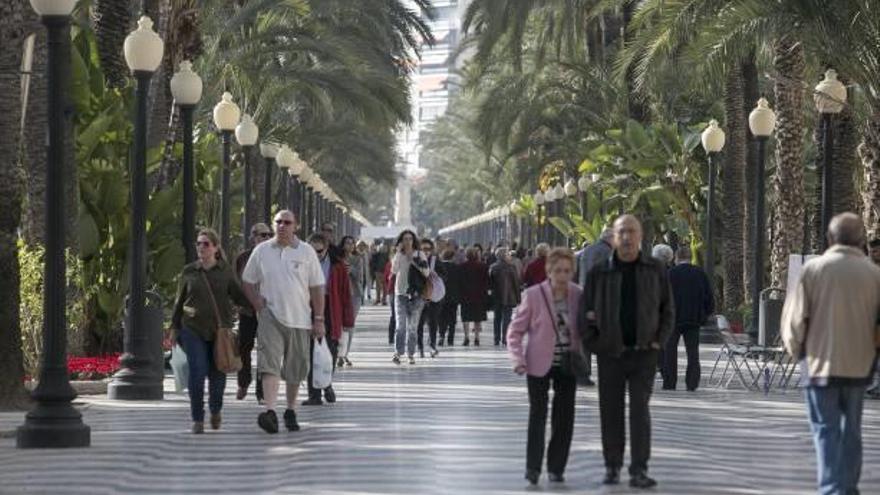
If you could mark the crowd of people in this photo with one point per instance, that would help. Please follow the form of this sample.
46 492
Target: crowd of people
553 309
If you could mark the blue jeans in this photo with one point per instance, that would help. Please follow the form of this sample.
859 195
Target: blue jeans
836 422
200 356
407 312
501 322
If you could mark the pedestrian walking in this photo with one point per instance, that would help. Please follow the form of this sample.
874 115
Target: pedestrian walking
431 312
284 281
694 303
536 268
597 253
356 268
450 272
829 321
548 315
505 285
207 291
474 295
338 312
627 312
874 388
377 264
410 268
247 320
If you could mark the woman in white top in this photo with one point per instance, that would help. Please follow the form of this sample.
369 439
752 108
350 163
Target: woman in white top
408 293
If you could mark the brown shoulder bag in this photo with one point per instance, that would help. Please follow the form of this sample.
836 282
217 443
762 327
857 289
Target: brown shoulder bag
226 355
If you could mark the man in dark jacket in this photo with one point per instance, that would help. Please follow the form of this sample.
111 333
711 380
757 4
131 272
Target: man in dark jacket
593 255
247 321
505 285
449 271
694 303
627 311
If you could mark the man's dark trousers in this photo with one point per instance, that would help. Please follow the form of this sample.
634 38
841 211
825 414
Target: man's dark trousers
691 334
634 370
332 344
448 319
501 322
247 333
431 316
561 422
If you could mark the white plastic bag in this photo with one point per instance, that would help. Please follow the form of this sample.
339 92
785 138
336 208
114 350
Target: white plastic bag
180 367
322 365
438 288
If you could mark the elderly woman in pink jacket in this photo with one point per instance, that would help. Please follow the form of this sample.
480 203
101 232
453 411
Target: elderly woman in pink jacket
548 315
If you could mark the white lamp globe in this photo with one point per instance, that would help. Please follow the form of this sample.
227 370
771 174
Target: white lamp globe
594 178
762 120
226 113
53 7
268 149
712 137
571 188
143 48
559 191
830 96
539 198
186 85
247 132
284 157
583 183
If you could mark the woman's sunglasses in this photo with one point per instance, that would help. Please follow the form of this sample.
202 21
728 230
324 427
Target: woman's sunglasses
262 235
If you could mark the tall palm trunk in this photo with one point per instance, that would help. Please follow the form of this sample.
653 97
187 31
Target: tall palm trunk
869 152
749 71
112 22
788 182
36 126
12 34
732 176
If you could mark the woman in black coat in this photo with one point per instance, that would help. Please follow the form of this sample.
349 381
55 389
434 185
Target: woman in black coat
450 272
474 294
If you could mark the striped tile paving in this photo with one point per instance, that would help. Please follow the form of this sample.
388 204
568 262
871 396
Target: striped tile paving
451 425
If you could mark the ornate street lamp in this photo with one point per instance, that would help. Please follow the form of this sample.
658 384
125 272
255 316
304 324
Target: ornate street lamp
287 160
583 185
226 117
54 422
269 151
186 87
247 133
540 201
713 142
141 375
762 121
571 190
830 98
558 207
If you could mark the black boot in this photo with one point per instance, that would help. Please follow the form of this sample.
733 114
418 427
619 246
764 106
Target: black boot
533 475
640 479
612 476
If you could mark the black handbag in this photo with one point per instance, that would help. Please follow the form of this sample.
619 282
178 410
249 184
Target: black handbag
573 362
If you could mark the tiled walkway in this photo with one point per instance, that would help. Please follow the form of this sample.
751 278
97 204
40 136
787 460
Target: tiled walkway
453 425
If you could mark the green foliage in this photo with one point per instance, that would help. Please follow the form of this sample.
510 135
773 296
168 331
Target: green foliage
31 261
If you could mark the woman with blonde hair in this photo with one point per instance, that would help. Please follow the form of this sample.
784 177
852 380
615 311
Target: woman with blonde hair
207 292
548 315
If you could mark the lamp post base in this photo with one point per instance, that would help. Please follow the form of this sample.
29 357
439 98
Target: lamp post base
53 426
135 384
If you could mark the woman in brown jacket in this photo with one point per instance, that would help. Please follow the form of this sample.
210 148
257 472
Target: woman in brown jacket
474 294
207 282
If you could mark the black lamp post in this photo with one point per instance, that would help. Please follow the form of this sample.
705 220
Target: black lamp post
54 422
583 185
830 97
247 133
226 118
762 121
571 190
540 201
269 151
186 87
713 143
140 377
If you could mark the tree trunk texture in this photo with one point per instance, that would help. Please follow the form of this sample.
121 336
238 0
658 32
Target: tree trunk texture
788 181
638 109
35 139
869 152
751 93
732 193
13 31
182 42
845 145
112 21
258 181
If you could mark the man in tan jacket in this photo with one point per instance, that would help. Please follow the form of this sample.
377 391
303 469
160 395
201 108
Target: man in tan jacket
830 321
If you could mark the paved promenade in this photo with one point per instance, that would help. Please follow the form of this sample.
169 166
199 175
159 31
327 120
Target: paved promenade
452 425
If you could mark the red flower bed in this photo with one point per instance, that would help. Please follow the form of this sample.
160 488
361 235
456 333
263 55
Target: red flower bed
92 368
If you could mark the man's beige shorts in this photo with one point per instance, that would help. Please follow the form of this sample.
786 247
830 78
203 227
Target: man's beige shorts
282 351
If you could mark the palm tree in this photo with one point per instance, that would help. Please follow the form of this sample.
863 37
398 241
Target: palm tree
112 23
16 22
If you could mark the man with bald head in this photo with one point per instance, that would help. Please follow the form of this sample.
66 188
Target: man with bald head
830 322
628 313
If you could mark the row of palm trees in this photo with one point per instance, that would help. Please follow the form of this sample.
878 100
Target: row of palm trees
329 76
554 82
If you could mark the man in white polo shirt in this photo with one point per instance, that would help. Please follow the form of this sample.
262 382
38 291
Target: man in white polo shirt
284 281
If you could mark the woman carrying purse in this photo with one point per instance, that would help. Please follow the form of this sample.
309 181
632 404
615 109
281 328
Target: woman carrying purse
547 314
205 298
